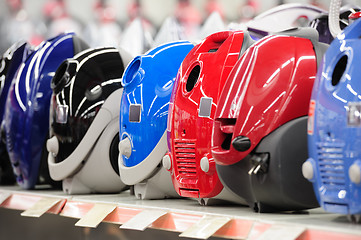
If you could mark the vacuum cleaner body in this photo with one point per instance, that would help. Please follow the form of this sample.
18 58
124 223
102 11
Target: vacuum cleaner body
191 113
9 64
334 127
148 82
27 108
83 150
259 134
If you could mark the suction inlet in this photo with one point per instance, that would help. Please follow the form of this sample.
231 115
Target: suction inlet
63 75
132 72
193 78
339 70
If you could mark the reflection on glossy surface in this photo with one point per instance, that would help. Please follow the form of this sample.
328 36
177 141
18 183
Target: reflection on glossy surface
263 92
259 135
81 85
148 83
27 108
201 75
9 63
334 128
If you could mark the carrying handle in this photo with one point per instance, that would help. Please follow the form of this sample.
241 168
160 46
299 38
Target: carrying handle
213 42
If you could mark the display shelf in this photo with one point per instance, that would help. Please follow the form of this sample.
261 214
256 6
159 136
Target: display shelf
185 216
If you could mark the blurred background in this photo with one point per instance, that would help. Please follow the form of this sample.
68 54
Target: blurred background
102 22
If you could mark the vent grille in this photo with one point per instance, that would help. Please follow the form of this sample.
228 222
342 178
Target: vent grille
331 165
185 155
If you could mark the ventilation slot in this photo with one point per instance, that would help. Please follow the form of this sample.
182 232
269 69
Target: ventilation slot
185 155
331 165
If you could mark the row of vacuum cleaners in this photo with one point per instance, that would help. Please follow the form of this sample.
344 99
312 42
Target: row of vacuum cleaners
272 123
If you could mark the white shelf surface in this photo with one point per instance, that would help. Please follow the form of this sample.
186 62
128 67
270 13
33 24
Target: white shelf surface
230 221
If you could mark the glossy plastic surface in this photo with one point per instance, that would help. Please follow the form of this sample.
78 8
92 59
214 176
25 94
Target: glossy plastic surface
199 81
9 63
334 124
27 107
148 83
269 86
81 85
